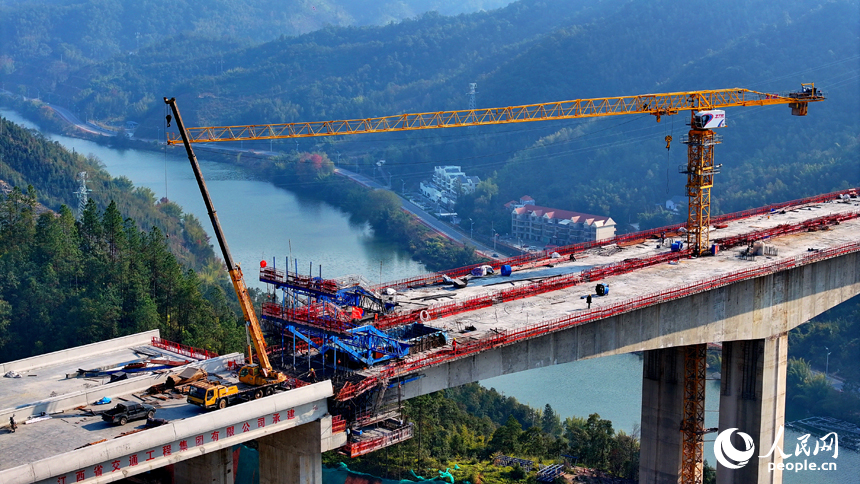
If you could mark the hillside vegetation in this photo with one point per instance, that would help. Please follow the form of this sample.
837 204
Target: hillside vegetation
126 265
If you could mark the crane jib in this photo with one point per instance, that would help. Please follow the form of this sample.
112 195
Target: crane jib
654 104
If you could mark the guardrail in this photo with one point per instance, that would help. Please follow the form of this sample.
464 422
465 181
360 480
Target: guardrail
516 261
184 350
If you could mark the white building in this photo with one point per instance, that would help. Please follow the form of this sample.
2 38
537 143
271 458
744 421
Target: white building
453 181
676 203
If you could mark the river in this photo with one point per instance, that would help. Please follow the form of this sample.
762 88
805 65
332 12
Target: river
262 221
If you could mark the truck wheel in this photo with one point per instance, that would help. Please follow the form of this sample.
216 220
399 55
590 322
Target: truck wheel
150 414
123 420
269 391
222 404
258 394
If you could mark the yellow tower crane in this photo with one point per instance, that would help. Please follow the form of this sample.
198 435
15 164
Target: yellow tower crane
705 108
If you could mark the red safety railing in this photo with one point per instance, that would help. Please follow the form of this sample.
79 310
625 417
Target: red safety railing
338 424
549 284
785 229
517 261
595 274
184 350
324 316
367 446
508 337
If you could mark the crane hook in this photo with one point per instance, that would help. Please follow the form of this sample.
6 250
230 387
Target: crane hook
668 141
169 118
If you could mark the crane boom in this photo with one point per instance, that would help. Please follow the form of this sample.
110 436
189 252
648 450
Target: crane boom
234 270
655 104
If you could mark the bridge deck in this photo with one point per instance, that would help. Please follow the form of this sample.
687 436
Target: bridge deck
498 307
46 388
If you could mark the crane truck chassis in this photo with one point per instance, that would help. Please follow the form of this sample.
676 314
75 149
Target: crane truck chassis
214 394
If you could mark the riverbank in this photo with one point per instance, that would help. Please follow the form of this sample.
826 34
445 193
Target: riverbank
308 174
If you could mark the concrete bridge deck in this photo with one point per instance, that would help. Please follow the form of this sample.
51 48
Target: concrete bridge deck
73 445
497 310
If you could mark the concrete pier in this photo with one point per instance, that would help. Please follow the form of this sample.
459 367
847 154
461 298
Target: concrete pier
292 456
752 400
662 414
210 468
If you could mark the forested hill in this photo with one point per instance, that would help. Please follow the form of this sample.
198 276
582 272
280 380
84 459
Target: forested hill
28 158
70 280
528 51
78 32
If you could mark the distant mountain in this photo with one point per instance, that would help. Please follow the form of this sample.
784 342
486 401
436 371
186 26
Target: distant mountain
529 51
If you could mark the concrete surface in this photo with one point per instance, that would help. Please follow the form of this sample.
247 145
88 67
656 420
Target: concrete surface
190 433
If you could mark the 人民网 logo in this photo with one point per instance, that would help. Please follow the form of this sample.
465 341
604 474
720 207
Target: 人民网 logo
725 452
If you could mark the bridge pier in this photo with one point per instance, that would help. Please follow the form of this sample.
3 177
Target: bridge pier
209 468
662 414
292 456
752 400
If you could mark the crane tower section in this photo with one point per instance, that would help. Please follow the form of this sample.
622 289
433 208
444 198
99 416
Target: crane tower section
700 171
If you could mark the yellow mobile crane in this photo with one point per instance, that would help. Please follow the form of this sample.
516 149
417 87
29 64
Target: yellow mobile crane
260 378
704 106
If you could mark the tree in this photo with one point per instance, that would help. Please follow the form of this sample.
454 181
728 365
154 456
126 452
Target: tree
506 439
551 422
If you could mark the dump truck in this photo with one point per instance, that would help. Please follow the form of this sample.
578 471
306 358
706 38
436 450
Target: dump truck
124 413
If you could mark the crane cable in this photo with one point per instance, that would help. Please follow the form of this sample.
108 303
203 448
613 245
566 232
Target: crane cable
668 139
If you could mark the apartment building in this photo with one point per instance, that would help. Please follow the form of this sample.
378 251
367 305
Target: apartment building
545 225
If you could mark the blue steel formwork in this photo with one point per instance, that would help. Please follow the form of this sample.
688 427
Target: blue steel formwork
364 344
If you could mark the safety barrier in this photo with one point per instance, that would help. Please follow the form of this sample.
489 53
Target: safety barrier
508 337
338 424
784 229
184 350
517 261
324 316
549 284
596 273
367 446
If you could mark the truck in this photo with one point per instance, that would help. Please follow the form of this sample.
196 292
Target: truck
126 412
214 394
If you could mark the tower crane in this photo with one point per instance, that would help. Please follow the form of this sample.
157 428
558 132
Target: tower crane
705 108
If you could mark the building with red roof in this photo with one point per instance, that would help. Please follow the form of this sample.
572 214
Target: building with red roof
545 225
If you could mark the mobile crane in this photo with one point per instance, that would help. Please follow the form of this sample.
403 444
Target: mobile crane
705 115
261 379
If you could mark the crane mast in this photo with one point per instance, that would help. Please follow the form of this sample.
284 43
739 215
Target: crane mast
700 167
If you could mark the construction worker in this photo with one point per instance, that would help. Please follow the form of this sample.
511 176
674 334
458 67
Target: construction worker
312 375
454 344
588 300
